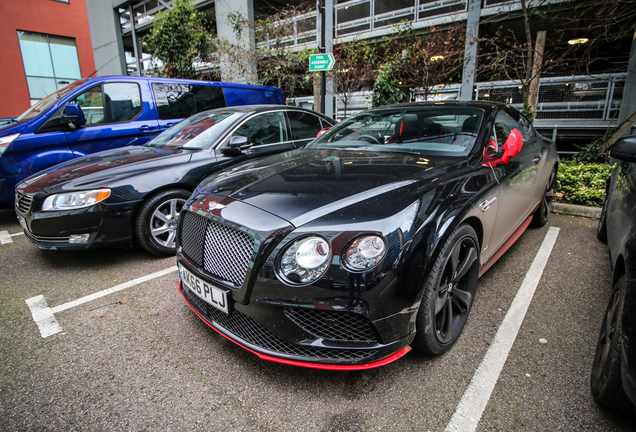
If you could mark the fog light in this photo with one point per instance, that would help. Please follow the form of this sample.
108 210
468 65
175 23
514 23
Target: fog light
78 238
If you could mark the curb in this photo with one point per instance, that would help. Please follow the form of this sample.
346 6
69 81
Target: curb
576 210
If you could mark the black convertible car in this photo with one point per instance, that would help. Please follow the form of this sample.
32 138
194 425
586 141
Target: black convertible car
109 198
370 240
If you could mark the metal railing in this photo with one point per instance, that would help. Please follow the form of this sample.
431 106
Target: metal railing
575 101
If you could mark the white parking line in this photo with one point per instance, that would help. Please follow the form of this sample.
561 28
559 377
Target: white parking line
44 316
5 237
475 399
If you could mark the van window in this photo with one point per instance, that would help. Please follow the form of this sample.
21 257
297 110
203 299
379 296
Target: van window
110 103
183 100
304 125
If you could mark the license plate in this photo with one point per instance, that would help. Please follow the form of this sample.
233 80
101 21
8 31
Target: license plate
209 293
22 222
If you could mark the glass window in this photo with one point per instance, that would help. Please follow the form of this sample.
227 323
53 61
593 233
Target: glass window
504 124
196 132
304 125
50 62
268 128
92 104
427 130
110 103
183 100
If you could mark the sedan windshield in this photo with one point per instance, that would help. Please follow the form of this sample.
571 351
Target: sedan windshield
427 130
197 132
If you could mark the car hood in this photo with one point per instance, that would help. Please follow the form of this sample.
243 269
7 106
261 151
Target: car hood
305 185
104 169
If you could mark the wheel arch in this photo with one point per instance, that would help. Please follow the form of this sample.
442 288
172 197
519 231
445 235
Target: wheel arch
150 194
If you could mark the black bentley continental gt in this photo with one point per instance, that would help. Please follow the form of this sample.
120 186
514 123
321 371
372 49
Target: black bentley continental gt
136 192
370 240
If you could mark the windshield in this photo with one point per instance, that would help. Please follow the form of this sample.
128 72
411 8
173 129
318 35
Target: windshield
49 101
197 132
427 130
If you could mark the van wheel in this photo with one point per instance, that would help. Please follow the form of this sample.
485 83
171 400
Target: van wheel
156 222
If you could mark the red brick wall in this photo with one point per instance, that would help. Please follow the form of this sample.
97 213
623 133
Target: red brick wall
40 16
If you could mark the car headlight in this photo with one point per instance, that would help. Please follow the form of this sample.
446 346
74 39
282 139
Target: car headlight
75 200
364 253
305 260
5 141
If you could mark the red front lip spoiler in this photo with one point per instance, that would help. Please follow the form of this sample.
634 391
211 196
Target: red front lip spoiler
390 359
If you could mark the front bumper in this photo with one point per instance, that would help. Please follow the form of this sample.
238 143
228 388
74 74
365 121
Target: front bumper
108 225
311 352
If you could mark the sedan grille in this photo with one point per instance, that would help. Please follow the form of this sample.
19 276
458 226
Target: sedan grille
245 328
332 325
23 202
222 251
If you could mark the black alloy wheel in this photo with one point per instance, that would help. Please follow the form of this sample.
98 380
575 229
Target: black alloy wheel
601 229
156 222
542 214
448 293
606 381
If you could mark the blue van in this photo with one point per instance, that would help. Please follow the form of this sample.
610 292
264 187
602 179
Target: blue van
102 113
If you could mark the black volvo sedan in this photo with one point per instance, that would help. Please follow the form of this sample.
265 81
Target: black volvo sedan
136 192
370 240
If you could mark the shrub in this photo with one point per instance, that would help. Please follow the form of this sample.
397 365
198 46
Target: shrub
582 183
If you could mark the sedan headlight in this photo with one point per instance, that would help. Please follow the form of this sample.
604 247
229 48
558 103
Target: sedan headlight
5 141
364 253
305 260
75 200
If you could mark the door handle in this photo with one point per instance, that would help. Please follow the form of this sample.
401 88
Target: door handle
485 204
536 159
146 128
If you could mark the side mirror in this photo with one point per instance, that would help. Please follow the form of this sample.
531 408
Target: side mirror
512 145
323 130
624 149
237 144
73 116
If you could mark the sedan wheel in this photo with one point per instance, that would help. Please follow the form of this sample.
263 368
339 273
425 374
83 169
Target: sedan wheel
606 382
448 293
156 223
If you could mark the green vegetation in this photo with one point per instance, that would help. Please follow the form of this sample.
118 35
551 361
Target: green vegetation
179 38
582 183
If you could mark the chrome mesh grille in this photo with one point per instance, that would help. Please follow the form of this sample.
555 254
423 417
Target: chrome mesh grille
333 325
221 250
248 330
23 202
192 235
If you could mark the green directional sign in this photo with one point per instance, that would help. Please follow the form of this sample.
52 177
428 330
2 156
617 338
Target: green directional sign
321 62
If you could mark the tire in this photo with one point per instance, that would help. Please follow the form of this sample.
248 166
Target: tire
606 381
542 214
156 223
601 229
449 290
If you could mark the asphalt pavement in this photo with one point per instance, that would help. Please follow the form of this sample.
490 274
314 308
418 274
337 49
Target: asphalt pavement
139 359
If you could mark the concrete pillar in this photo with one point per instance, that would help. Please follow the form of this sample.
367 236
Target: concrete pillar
108 49
329 82
245 72
471 50
629 91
